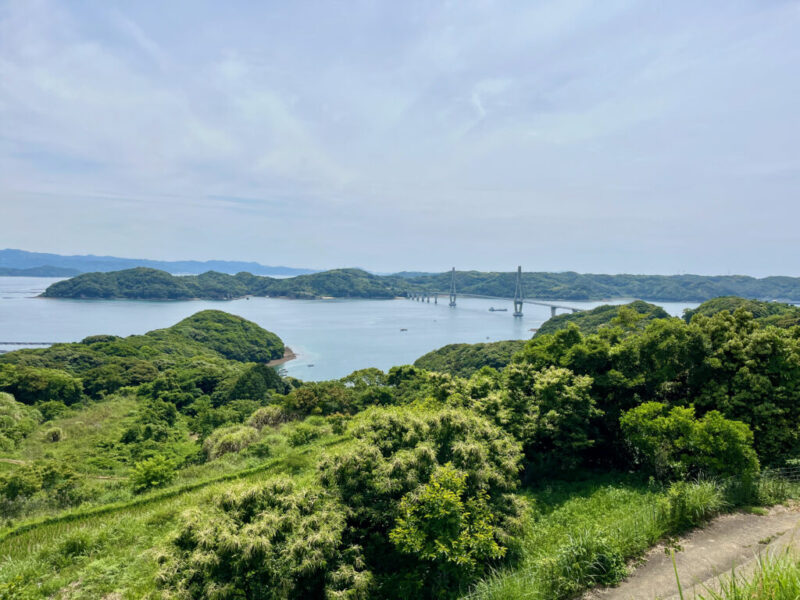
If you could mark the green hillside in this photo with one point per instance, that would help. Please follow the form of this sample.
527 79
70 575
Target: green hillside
177 464
463 360
152 284
768 313
634 314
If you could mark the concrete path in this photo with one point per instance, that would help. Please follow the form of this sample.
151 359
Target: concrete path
734 540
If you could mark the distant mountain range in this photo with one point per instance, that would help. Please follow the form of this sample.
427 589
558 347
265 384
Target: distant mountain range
40 264
43 271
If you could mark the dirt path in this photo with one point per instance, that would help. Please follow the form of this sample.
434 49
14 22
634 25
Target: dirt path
728 541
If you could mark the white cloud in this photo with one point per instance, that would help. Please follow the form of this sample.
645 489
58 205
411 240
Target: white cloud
435 127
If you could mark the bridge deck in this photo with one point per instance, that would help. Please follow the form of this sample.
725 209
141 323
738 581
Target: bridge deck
526 301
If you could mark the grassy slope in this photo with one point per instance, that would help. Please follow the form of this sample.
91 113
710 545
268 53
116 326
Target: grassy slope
96 551
617 508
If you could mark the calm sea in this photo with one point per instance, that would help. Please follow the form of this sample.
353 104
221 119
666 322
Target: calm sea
331 337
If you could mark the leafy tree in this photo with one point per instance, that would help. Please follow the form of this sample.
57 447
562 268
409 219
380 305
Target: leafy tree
452 536
256 382
152 472
395 452
30 384
675 444
550 411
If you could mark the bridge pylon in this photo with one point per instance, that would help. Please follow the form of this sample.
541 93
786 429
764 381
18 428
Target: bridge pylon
518 295
453 288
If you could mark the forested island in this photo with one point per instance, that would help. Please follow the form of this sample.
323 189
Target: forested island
177 464
152 284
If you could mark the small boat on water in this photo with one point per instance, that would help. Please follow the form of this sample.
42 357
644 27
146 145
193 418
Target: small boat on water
403 329
493 309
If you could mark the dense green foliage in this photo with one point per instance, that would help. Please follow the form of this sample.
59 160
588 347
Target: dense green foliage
766 313
153 284
674 444
270 542
462 360
17 421
408 484
634 315
577 286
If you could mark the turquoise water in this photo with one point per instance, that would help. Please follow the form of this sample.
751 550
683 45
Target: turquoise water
331 337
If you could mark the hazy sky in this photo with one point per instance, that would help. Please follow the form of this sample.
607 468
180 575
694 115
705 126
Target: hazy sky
613 136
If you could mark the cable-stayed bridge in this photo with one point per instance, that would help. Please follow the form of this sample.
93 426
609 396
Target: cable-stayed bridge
518 299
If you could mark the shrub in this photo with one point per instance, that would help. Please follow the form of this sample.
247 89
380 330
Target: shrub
224 440
51 409
674 444
150 473
438 524
267 416
690 504
54 434
302 434
273 542
386 474
588 559
17 421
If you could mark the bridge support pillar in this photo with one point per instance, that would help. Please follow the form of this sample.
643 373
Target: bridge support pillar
453 288
552 311
518 296
436 298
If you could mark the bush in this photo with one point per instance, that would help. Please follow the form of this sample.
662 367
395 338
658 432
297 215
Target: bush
273 542
17 421
674 444
51 409
54 434
150 473
691 504
302 433
267 416
589 559
438 524
225 440
386 475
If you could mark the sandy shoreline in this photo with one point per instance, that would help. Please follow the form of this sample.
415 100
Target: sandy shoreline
288 354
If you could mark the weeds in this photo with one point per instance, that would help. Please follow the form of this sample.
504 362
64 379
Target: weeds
777 577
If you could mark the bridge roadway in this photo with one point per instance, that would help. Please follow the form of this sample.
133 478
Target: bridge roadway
552 305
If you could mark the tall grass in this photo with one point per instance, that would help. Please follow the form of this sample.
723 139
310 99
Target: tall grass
586 540
777 577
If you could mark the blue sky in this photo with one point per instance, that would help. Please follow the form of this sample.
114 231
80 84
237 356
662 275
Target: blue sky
614 136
